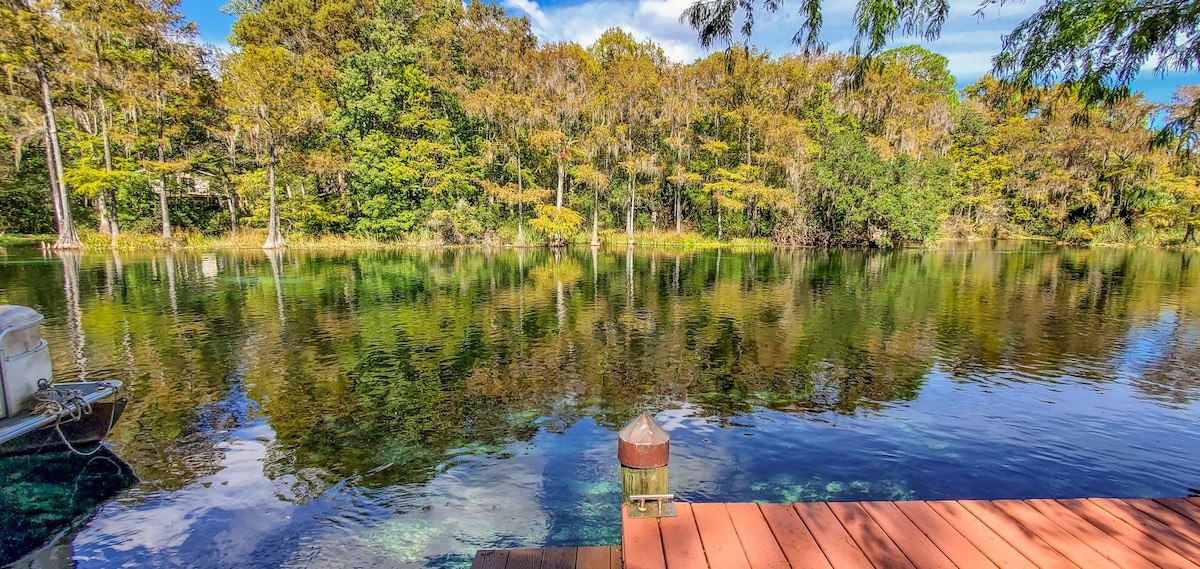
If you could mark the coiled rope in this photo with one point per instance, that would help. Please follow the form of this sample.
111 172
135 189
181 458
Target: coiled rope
68 405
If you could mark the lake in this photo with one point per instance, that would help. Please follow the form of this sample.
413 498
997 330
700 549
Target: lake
404 409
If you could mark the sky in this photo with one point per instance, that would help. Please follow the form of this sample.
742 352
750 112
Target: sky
968 40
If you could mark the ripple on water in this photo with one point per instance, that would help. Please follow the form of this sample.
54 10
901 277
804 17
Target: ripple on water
404 409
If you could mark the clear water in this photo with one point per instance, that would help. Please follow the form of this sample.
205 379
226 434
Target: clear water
403 409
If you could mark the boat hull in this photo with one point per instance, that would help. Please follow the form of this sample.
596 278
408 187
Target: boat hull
83 434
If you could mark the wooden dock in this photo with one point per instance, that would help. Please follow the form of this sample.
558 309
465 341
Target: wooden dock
555 558
1034 534
1100 533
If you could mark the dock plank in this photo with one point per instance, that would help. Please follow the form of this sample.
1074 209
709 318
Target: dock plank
1152 527
1182 507
642 536
794 539
837 545
1104 544
1099 533
721 543
960 551
490 559
1048 530
615 559
593 558
1091 535
978 533
1025 541
908 537
560 558
681 540
761 547
1130 536
524 559
872 540
1185 525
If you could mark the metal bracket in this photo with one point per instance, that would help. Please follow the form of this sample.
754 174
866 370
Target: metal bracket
652 506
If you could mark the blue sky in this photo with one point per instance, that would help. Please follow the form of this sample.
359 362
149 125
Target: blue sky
967 40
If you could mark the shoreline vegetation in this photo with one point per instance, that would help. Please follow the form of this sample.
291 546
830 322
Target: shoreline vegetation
93 241
367 123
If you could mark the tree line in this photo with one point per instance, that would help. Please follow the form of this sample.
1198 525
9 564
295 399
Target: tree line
431 120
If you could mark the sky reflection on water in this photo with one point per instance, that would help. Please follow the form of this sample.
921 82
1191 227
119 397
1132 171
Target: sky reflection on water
405 409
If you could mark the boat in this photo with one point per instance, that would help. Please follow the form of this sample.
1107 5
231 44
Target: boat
37 415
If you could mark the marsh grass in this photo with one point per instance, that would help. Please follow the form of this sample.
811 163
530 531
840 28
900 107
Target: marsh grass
685 240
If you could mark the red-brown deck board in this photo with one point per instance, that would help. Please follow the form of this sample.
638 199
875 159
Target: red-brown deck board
553 558
1037 534
1010 534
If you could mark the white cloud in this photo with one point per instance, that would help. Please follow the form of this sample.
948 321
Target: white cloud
540 23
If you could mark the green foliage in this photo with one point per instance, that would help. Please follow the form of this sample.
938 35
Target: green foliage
402 120
553 221
1097 47
458 225
26 198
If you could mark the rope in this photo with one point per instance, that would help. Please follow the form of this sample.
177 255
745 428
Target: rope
54 401
68 405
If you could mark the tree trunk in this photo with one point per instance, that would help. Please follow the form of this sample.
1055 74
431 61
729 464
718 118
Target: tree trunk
718 223
55 205
102 213
163 212
67 237
629 219
678 211
561 177
101 201
1190 235
520 196
109 207
108 222
232 213
274 238
596 219
232 188
558 238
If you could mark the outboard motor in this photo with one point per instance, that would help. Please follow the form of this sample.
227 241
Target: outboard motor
24 358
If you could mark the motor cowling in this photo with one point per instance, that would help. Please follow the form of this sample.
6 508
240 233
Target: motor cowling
24 358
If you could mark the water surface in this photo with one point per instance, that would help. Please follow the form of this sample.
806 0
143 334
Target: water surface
403 409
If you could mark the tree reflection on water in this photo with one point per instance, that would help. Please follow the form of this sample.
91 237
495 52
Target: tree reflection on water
377 369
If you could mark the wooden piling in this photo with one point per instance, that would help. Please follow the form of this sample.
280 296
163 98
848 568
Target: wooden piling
644 449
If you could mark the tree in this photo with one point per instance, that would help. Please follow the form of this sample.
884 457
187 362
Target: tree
681 105
590 177
875 21
28 29
1097 47
166 80
273 99
1182 135
560 79
498 87
628 102
726 191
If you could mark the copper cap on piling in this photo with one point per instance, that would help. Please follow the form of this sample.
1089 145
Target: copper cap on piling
643 444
